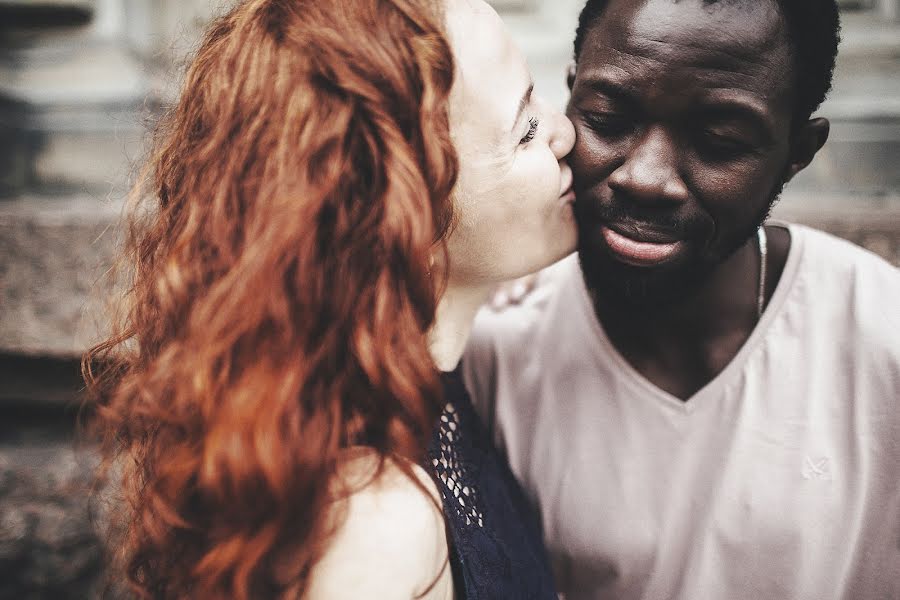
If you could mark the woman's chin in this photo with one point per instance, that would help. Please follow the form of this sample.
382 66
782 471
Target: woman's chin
560 245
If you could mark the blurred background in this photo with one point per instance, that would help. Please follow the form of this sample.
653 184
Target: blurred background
81 81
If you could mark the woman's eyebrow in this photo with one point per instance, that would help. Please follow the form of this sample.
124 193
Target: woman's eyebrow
526 98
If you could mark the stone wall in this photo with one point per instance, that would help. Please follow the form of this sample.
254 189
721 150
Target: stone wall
78 81
48 545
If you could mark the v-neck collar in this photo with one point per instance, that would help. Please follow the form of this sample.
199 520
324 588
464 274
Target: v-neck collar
606 350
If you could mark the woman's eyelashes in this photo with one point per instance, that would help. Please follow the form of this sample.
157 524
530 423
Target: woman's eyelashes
533 124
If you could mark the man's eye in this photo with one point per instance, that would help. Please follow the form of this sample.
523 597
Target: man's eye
533 124
609 124
729 146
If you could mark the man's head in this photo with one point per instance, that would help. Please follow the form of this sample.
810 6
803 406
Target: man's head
690 117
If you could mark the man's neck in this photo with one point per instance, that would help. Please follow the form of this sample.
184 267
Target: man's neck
683 346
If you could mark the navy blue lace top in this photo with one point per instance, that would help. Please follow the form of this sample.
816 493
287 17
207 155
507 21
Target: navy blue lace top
496 550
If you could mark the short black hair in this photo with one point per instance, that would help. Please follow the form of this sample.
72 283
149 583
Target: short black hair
814 31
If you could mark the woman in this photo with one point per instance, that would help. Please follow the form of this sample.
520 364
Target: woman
334 196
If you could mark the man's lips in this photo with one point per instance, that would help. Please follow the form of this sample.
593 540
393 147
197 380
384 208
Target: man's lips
642 248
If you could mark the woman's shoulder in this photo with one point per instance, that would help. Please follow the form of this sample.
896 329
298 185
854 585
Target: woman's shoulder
390 540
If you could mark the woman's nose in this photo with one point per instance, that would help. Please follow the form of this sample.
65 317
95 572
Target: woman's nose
563 135
560 131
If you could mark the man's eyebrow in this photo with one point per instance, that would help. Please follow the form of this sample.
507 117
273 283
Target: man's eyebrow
526 98
735 108
608 88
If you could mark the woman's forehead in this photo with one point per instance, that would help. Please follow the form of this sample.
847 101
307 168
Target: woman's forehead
491 72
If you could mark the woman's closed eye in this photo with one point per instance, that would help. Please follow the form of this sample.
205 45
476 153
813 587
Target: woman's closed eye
533 124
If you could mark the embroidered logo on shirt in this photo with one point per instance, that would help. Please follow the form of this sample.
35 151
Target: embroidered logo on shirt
816 468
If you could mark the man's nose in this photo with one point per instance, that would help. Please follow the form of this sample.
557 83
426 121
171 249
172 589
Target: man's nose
650 171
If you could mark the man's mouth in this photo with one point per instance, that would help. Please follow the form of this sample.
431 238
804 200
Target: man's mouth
642 248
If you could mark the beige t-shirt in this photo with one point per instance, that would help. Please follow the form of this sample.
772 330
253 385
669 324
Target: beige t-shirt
778 480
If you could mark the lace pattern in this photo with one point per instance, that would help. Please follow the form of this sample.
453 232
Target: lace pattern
496 551
449 469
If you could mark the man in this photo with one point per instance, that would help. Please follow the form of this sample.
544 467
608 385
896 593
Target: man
706 409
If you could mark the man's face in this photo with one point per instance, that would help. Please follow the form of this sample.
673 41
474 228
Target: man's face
683 116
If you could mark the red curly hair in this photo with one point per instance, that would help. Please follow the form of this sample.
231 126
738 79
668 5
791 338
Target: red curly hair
279 291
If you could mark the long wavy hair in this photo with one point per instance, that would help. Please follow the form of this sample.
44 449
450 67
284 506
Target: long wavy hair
278 291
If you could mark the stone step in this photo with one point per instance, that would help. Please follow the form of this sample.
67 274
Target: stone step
96 160
53 252
71 116
45 13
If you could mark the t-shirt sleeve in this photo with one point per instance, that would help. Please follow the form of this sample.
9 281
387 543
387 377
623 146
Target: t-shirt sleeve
502 341
479 367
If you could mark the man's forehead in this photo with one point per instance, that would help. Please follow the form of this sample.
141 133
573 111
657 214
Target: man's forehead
688 47
727 31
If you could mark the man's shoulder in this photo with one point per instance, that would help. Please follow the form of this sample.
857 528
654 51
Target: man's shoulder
524 323
840 258
850 283
511 349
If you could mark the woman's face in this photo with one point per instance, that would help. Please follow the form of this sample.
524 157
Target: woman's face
513 199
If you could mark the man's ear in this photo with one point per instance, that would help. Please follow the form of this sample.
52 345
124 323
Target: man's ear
570 75
806 142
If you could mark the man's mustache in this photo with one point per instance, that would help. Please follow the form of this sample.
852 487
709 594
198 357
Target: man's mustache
622 213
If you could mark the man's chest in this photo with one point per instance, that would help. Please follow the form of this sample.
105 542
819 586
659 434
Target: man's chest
643 501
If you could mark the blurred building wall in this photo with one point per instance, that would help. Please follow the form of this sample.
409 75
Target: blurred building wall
79 82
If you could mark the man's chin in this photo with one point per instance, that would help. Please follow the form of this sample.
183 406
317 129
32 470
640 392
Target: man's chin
638 287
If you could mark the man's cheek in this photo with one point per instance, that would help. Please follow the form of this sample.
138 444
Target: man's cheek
591 160
578 158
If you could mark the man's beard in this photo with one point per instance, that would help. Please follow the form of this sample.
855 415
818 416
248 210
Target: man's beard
640 288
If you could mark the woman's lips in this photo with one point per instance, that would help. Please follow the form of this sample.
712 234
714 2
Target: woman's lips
566 193
639 253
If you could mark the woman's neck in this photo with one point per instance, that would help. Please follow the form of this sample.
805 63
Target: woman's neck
453 323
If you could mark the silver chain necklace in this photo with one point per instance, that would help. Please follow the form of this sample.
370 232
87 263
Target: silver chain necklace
761 288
